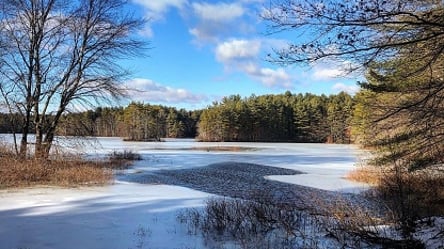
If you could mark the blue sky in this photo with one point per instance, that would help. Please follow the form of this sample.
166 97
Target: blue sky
204 50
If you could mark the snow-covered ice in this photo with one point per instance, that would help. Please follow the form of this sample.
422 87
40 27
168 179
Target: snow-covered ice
131 215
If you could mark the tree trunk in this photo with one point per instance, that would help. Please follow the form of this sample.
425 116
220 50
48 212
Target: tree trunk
24 142
25 132
47 144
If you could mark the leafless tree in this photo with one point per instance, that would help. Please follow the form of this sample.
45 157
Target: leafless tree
357 31
60 53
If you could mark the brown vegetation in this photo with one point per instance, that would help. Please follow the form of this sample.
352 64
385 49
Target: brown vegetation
413 195
359 227
258 223
399 202
28 172
423 186
410 196
252 224
60 171
365 174
422 192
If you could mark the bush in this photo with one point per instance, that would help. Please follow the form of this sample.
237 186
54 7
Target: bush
259 224
252 224
412 196
409 195
126 155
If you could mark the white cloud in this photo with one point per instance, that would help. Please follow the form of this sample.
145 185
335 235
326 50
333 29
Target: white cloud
269 77
150 91
214 21
201 35
326 73
332 69
208 32
241 55
155 11
238 50
327 70
341 87
219 12
160 6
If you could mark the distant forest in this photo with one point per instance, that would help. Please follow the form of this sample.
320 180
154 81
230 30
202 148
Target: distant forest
269 118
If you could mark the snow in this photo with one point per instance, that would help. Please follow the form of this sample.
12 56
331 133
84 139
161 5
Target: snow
119 216
132 215
322 181
432 234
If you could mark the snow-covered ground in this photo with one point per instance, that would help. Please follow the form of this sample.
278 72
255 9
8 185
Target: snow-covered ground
118 216
132 215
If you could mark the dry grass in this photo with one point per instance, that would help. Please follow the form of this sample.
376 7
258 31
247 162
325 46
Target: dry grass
16 172
60 170
366 174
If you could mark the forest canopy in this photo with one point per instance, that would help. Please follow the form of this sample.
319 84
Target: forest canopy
280 118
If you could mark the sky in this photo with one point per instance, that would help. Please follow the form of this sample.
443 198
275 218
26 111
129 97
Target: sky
201 51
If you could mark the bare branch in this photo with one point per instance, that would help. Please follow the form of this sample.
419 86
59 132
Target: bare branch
59 51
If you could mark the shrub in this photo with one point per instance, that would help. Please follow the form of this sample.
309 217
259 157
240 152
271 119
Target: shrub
355 226
412 196
126 155
252 224
257 224
409 195
62 168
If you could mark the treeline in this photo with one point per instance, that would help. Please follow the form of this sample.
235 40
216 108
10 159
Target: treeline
279 118
137 122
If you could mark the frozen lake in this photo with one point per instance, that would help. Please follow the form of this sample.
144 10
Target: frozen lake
130 215
325 165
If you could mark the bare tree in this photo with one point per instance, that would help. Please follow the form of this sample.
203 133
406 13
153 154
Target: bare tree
60 53
358 31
